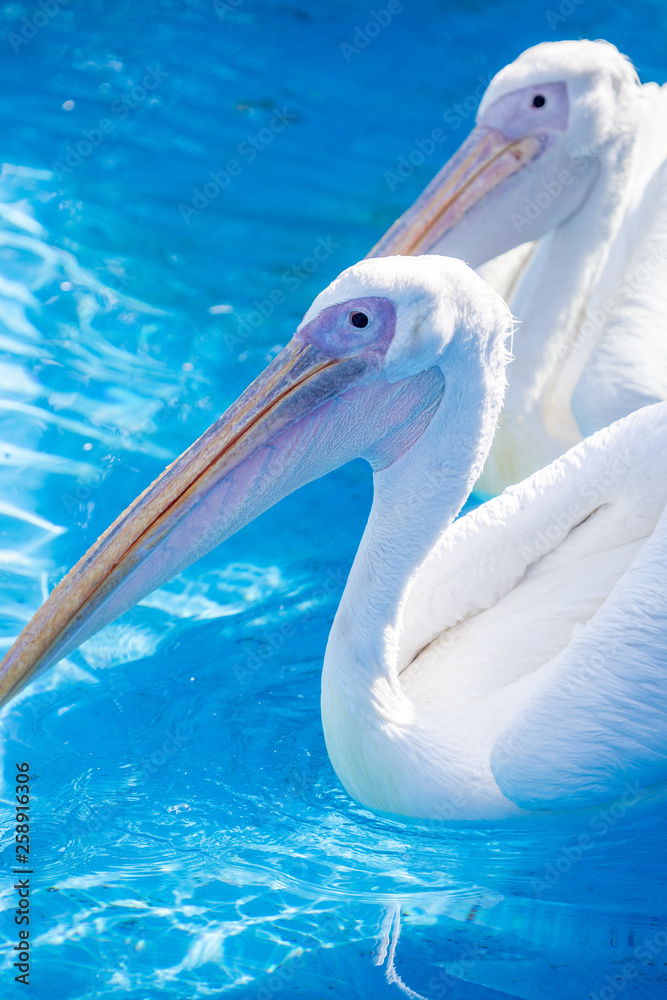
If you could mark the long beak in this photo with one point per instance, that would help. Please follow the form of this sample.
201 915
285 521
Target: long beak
485 159
277 436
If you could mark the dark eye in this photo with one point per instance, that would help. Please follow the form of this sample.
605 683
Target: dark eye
539 101
359 320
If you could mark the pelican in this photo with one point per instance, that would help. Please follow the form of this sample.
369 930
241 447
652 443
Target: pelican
508 661
559 197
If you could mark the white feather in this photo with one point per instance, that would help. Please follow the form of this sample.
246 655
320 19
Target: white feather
515 658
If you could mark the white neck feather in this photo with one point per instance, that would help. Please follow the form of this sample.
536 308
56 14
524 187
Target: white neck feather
415 500
552 298
550 301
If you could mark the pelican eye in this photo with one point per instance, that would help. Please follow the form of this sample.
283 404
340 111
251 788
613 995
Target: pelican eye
359 320
539 101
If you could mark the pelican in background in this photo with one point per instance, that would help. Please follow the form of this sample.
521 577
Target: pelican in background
563 182
511 660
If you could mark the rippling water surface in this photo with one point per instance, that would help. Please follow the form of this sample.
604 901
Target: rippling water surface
190 837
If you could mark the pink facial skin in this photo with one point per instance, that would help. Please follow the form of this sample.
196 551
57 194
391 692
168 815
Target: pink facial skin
334 333
518 113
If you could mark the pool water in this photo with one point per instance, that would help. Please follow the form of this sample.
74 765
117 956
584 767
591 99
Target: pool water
167 166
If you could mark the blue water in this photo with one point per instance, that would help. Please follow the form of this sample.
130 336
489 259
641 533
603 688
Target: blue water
189 835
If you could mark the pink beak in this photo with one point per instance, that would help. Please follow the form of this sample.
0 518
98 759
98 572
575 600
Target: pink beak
306 414
485 159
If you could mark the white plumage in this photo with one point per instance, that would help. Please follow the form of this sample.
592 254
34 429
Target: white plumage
513 659
528 661
517 657
578 233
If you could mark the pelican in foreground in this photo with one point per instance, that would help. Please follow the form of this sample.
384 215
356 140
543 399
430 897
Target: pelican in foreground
514 659
560 192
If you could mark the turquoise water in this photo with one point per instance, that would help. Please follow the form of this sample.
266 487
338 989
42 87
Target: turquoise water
189 835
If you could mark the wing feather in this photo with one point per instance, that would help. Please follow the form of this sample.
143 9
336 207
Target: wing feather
592 723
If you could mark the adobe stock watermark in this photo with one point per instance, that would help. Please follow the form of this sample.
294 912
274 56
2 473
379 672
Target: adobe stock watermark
432 484
225 7
79 494
173 742
593 491
459 801
534 207
265 650
120 108
282 977
31 26
644 953
290 282
454 117
440 984
449 976
377 22
636 278
247 150
600 824
552 189
565 9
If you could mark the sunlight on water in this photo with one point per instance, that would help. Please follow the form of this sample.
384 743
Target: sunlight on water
190 837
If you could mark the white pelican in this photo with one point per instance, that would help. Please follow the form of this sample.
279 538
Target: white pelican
567 164
511 660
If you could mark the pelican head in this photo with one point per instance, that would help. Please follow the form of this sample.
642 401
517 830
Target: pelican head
545 124
364 375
